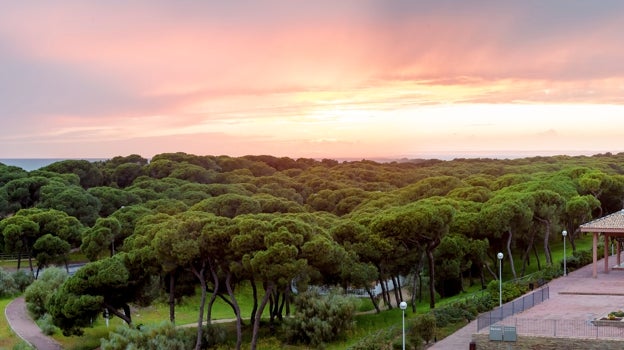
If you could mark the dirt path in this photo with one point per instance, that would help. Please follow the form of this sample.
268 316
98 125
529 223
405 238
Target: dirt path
23 325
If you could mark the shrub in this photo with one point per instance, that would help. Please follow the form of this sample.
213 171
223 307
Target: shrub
8 287
162 337
46 324
320 318
511 290
381 339
578 259
39 292
451 314
425 327
22 346
214 335
22 280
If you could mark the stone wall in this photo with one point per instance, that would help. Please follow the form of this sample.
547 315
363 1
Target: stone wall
483 342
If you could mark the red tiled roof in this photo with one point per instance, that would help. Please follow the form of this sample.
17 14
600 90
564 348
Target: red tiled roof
612 223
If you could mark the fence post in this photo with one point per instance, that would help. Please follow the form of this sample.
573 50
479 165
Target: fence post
555 327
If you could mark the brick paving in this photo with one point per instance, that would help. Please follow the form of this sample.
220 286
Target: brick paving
576 297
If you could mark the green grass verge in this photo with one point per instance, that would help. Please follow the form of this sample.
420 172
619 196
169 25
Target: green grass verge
8 339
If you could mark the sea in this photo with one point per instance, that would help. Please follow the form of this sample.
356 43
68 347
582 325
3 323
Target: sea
30 164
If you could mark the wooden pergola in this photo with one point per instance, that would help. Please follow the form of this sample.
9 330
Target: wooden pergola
611 226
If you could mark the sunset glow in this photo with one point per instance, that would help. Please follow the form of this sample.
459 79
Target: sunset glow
354 79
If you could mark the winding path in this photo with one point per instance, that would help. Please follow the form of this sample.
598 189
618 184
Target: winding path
23 325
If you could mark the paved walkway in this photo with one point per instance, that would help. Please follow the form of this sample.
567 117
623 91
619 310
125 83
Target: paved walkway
576 296
24 326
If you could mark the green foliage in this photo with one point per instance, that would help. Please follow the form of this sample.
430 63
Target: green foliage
8 287
22 279
83 296
578 259
46 324
425 327
22 346
320 318
544 275
452 314
163 337
379 340
39 292
512 290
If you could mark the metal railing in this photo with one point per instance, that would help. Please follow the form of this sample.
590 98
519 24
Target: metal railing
562 328
523 303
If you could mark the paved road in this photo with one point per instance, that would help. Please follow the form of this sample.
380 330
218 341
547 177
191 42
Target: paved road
24 326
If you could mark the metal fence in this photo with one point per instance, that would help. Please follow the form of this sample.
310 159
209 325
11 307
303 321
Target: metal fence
562 328
524 303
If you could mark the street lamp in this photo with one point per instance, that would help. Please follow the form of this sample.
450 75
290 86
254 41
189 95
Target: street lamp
564 233
500 280
403 306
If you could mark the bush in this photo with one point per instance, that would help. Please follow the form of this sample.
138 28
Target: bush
320 318
22 280
47 325
425 327
214 335
451 314
162 337
578 259
8 287
511 290
22 346
381 339
39 292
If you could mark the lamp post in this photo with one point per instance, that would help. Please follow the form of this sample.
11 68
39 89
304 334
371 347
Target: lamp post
564 233
403 306
500 279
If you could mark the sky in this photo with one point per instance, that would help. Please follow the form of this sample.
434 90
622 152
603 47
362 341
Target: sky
318 79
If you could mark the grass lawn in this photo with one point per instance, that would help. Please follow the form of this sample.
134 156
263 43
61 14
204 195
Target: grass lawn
8 339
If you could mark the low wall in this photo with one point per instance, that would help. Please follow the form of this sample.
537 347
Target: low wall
483 342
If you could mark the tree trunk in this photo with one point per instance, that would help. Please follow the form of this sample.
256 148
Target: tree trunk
256 323
239 324
372 298
397 297
420 287
272 303
510 255
431 277
125 316
572 237
385 282
494 275
213 296
539 264
482 277
282 304
200 320
126 309
547 252
172 297
384 295
32 271
413 291
527 253
254 292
